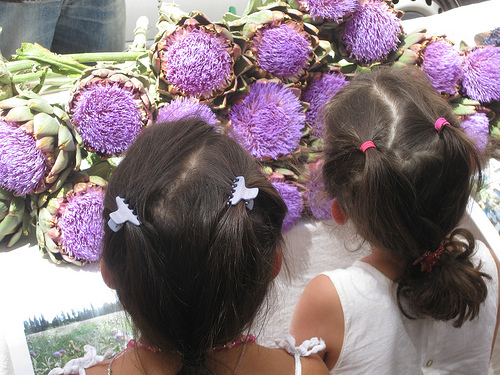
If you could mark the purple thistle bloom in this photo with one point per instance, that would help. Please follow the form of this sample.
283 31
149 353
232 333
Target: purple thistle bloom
493 38
269 121
284 51
318 93
182 107
81 224
317 198
443 65
481 77
372 32
23 166
477 127
197 62
108 118
332 9
293 199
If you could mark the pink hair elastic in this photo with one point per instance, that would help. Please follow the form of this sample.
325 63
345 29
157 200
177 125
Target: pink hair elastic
365 146
440 124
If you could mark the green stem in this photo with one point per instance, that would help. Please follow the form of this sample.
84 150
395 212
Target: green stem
28 77
106 56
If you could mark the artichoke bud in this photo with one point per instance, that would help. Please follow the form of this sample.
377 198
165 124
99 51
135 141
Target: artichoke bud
40 105
19 114
13 103
45 124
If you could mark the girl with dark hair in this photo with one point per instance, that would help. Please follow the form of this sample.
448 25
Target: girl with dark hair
425 300
192 244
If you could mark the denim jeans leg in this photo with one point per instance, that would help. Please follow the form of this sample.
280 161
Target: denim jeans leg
90 26
27 23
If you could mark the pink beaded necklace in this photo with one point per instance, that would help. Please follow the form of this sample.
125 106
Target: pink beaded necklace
229 345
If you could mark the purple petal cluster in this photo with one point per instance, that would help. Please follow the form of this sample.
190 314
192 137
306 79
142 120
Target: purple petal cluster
269 121
284 51
81 224
22 165
372 33
293 200
183 107
481 77
332 9
318 200
318 93
443 65
476 126
197 62
493 38
108 118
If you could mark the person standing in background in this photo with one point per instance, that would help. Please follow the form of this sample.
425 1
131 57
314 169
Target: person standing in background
63 26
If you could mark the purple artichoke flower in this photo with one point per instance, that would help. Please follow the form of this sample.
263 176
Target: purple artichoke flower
107 118
182 107
372 33
23 166
197 61
81 225
332 9
443 65
284 51
476 126
293 199
269 121
318 200
318 93
493 38
481 74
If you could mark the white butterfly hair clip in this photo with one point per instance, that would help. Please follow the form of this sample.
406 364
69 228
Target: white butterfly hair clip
241 192
122 214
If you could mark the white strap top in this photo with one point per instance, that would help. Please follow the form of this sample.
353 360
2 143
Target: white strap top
305 349
379 339
78 365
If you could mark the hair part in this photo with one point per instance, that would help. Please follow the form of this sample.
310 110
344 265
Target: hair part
408 195
195 272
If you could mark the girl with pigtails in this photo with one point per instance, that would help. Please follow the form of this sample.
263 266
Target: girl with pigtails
426 298
192 244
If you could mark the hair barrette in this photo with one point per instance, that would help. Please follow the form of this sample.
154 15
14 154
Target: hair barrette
241 192
430 259
122 214
440 124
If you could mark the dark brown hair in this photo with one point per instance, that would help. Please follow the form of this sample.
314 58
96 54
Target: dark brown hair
407 195
195 272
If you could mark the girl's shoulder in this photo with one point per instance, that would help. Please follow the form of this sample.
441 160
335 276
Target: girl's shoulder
285 360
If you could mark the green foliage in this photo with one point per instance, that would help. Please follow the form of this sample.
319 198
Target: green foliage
54 347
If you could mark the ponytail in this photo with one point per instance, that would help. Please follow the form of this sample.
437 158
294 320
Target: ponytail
454 290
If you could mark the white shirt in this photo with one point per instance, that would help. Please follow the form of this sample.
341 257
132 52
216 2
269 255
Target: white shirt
379 339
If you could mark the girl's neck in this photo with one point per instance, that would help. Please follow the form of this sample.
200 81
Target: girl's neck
384 263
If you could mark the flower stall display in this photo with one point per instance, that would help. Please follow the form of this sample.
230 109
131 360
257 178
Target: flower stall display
262 78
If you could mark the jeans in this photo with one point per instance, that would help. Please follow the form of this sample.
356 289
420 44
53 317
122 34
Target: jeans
64 26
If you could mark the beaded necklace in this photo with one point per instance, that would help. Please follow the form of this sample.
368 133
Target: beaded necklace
229 345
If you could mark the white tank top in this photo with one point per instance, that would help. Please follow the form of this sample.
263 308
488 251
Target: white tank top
379 339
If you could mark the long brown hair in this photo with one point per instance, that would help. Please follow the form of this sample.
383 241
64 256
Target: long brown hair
196 270
407 195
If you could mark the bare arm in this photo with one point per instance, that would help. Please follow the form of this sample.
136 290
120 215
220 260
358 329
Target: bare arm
498 313
319 314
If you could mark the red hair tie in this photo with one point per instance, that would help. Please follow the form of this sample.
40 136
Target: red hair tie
440 124
365 146
430 259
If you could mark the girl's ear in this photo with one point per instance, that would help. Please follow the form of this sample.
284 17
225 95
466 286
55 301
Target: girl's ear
338 213
278 261
107 276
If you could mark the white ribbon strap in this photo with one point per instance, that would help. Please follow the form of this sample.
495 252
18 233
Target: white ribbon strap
305 349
